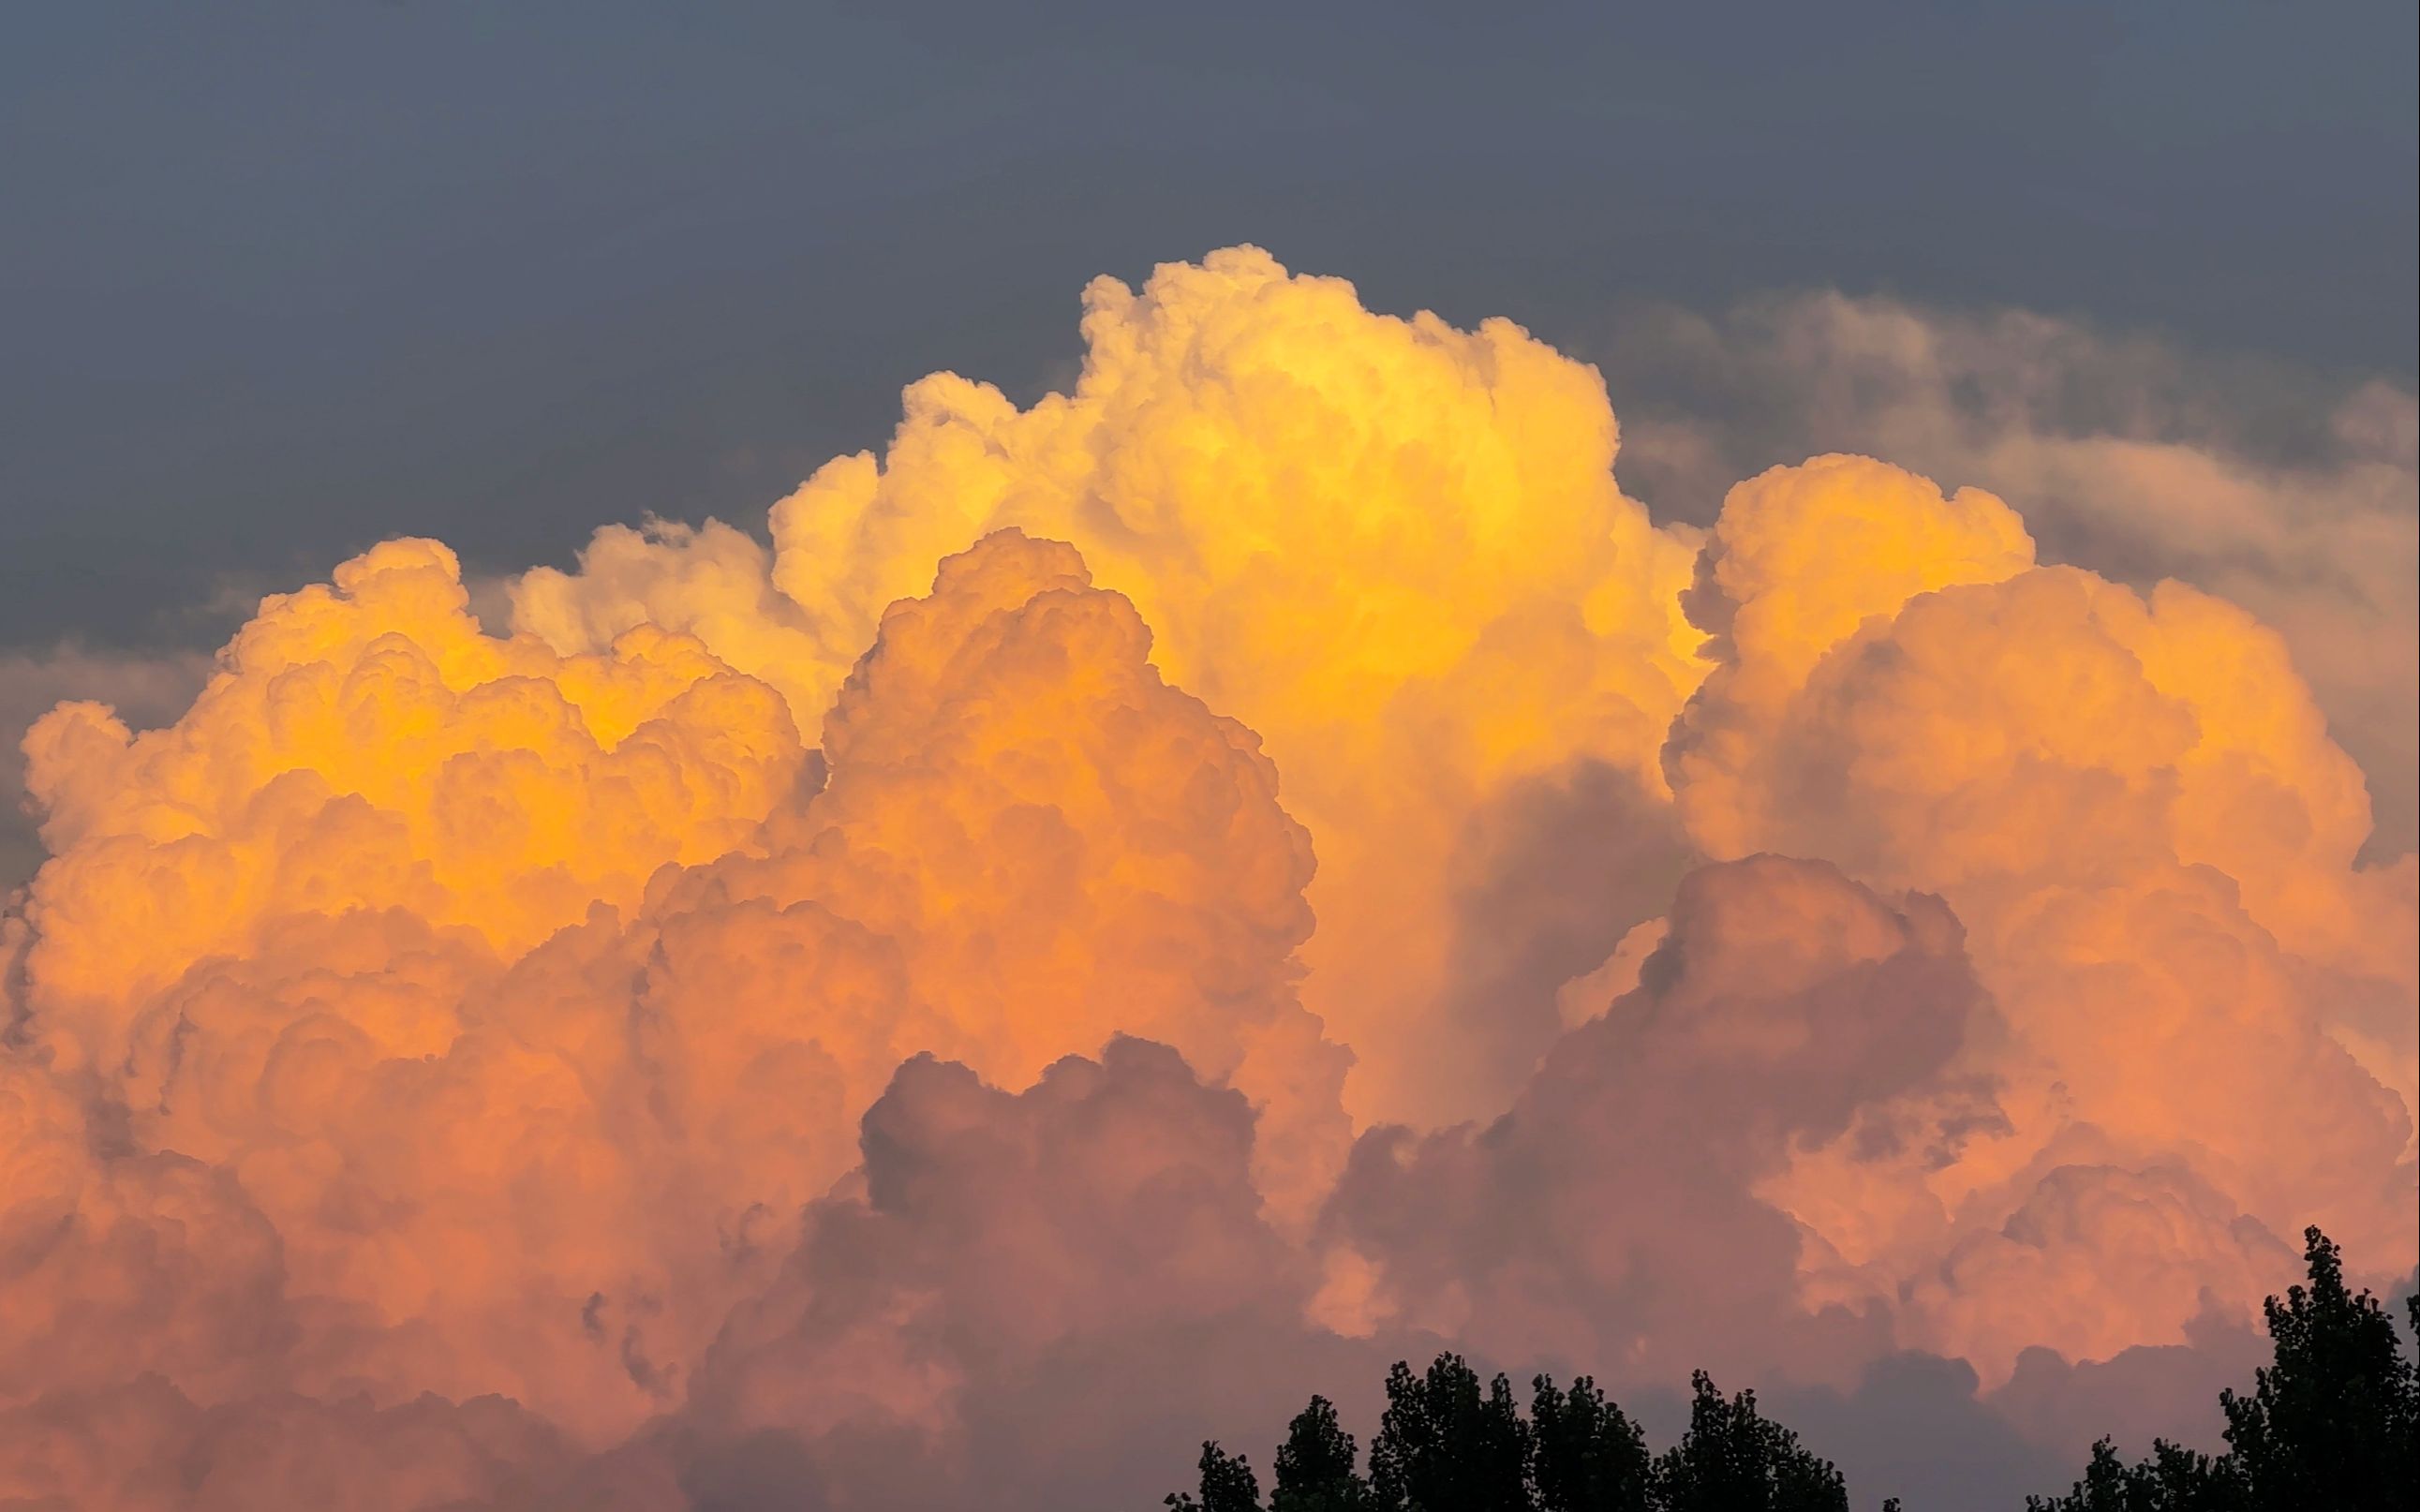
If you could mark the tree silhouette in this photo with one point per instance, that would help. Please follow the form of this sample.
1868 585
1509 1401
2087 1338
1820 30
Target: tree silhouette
1443 1445
1315 1465
1733 1459
2332 1423
2335 1421
1585 1454
1228 1484
1447 1444
2174 1479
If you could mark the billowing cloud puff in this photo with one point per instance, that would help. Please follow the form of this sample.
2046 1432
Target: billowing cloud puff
472 1158
1392 548
859 1019
2100 1260
713 581
1801 559
1049 845
109 1269
2283 491
365 745
1610 1220
145 689
2135 808
2131 733
1063 1280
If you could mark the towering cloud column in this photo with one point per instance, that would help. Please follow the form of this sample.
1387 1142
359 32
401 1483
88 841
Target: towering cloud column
2134 806
1393 548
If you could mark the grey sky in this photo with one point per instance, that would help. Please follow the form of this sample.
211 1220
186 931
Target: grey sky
281 279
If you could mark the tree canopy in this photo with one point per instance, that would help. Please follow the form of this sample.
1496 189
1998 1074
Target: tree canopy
2333 1421
2332 1425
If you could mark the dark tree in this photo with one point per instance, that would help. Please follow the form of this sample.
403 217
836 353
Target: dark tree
2332 1423
1446 1446
1315 1465
1732 1459
1228 1484
1585 1454
2172 1480
2335 1422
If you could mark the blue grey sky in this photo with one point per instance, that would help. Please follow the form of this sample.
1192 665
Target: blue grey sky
281 279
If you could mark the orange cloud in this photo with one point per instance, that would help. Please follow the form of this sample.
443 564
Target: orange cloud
513 1000
1392 548
658 1055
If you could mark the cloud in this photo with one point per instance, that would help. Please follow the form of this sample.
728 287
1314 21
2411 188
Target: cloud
2132 804
1611 1221
2095 1261
1044 1292
146 690
497 1008
2295 494
1392 548
2142 1393
145 1447
366 746
1913 1427
1134 909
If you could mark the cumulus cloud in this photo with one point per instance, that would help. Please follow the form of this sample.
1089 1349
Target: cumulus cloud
366 746
487 1012
1045 1293
1138 907
2293 494
2133 803
145 690
2134 806
1392 548
1611 1221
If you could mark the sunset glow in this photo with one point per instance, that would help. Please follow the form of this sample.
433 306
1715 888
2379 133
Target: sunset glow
470 1006
1314 837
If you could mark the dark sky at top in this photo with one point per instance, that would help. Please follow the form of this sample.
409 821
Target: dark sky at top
280 279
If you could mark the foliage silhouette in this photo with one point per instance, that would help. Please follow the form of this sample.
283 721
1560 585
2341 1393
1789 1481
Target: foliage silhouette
1314 1465
1442 1444
2174 1479
1447 1443
1735 1459
1228 1484
2332 1425
1585 1454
